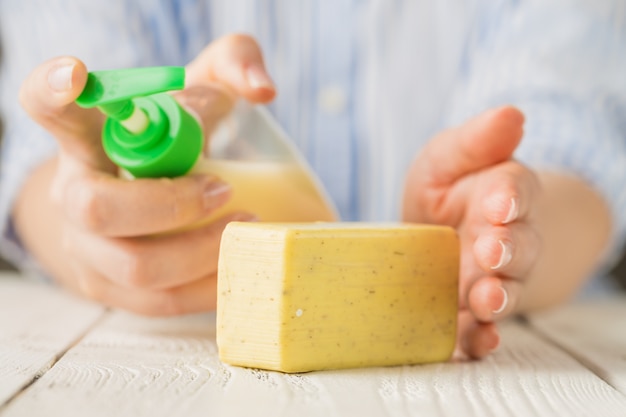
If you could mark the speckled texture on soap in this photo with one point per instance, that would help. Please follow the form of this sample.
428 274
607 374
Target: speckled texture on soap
342 297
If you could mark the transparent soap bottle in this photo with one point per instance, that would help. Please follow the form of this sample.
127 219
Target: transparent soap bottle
268 175
148 134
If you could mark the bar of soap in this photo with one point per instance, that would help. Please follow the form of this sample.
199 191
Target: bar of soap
304 297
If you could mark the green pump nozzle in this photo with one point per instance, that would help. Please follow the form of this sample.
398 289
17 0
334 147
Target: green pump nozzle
146 132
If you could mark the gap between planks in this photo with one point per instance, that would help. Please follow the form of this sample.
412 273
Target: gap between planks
554 341
606 363
48 366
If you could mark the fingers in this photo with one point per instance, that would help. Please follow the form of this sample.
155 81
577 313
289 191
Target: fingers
509 250
485 141
50 90
158 276
488 139
112 207
506 254
194 297
492 298
508 192
237 62
48 96
208 104
152 262
508 246
475 340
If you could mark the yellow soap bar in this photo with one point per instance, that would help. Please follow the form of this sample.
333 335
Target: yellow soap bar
304 297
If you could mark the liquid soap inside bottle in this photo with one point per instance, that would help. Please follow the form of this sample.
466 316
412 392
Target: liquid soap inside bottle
268 176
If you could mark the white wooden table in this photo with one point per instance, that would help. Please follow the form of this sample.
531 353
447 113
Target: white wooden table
61 356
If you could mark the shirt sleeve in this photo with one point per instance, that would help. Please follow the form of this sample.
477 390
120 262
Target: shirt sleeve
104 34
563 63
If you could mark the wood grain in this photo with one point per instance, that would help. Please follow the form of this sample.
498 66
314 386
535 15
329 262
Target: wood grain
134 366
594 332
37 324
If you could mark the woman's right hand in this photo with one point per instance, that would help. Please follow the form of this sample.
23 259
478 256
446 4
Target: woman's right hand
128 243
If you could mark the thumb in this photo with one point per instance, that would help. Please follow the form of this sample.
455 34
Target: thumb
235 61
48 95
485 140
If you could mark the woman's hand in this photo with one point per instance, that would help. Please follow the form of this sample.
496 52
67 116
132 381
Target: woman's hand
127 243
466 178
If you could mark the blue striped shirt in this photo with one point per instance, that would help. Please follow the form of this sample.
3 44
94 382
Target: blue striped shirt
362 84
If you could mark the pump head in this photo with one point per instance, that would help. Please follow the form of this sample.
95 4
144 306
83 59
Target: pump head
146 132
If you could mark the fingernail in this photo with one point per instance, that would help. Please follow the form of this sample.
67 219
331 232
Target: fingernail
513 211
505 301
215 194
258 78
60 78
506 254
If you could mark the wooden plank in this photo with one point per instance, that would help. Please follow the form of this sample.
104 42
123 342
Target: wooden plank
134 366
594 332
37 324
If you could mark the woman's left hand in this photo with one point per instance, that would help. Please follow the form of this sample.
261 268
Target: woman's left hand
467 178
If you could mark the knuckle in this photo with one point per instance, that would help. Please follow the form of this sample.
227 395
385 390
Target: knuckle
177 202
181 200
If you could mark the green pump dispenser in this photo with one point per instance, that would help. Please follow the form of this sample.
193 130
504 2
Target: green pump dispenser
146 132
